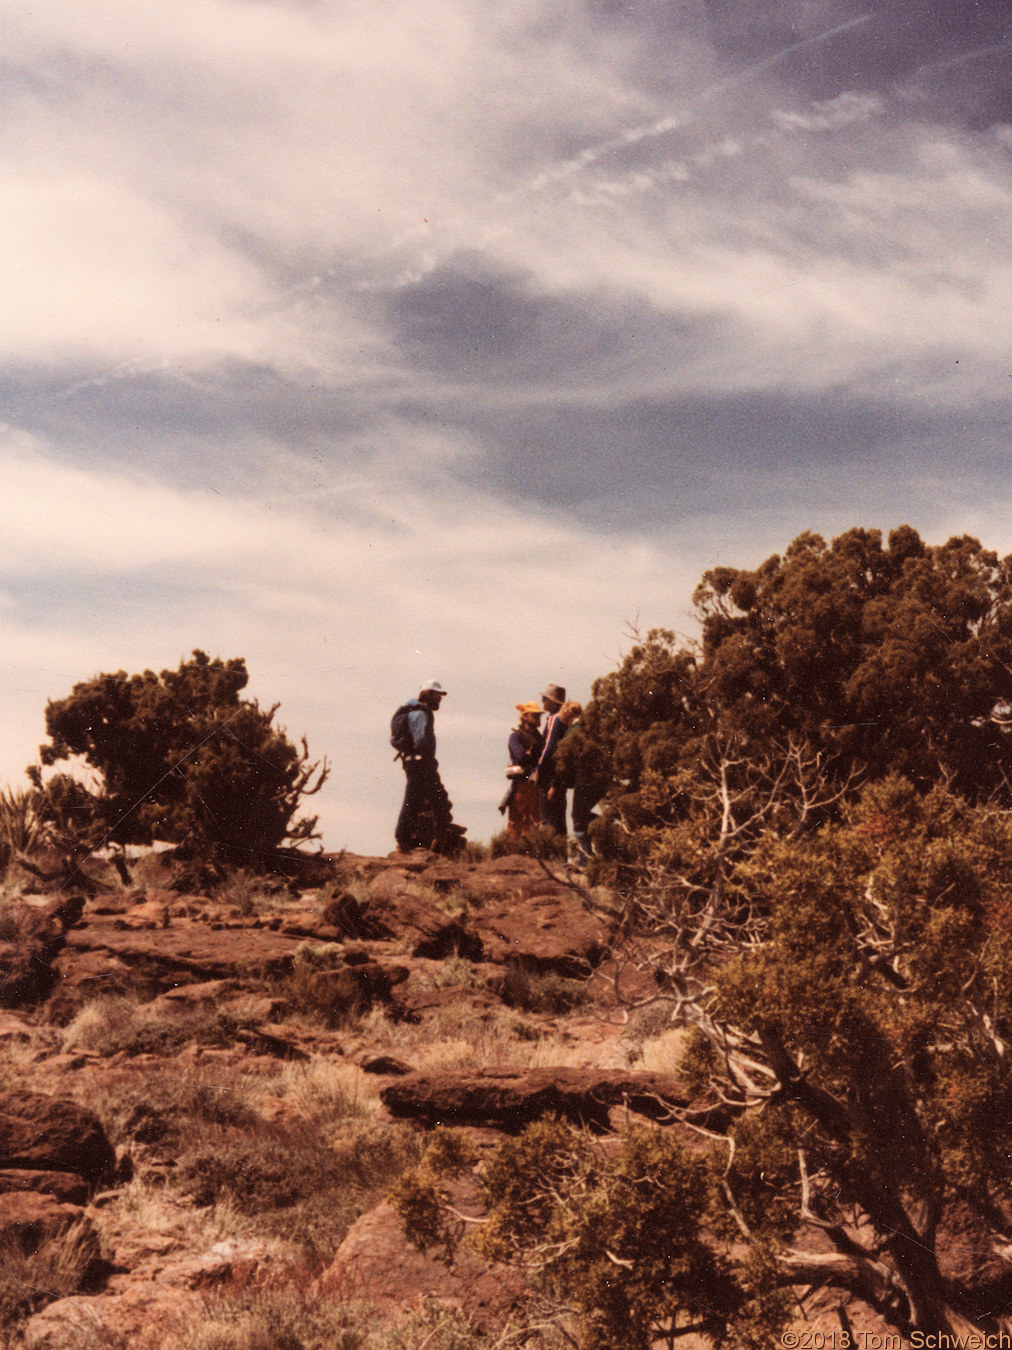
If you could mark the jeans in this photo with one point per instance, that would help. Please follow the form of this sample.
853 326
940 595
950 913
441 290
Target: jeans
553 809
584 801
423 792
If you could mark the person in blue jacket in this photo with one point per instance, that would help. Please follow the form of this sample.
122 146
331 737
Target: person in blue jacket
413 736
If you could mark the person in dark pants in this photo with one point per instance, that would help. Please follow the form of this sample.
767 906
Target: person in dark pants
413 736
551 793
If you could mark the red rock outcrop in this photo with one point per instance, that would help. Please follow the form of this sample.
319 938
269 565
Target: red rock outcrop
510 1100
376 1262
53 1135
26 973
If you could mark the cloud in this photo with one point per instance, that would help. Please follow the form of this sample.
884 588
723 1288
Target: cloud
832 114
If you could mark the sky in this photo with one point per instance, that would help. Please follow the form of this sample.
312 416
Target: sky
381 343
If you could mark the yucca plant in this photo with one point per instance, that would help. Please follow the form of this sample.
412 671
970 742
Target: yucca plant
20 825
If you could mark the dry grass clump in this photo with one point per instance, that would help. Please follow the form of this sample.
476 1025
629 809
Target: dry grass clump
296 1155
117 1024
329 1089
537 843
455 972
541 991
649 1020
168 1105
474 851
293 1319
663 1053
297 1181
457 1039
34 1274
250 893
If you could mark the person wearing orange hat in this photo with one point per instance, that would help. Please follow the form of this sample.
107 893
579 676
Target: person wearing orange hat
525 746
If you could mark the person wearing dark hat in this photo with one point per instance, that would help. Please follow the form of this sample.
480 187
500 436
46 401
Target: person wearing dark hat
524 748
413 736
551 793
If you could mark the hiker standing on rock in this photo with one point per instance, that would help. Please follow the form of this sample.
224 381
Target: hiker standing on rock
552 794
413 736
581 767
525 745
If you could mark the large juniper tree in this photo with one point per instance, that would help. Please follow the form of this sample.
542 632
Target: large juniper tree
877 657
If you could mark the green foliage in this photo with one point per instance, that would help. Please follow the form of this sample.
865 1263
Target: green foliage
184 759
612 1230
536 991
808 817
876 657
874 1019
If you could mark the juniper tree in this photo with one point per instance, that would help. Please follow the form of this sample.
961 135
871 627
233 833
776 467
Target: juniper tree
184 759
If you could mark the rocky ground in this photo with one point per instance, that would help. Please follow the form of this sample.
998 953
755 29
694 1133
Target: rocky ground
207 1097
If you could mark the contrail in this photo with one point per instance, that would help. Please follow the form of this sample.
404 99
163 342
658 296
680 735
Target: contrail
987 50
671 121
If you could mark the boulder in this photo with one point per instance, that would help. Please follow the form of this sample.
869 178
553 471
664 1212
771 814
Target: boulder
394 910
53 1135
546 930
509 1100
377 1262
30 1218
26 962
142 1318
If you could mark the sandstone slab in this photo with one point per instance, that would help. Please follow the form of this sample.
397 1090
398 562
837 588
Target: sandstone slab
187 951
510 1100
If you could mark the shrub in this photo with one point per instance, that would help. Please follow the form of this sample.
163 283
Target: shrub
20 825
185 760
539 843
541 992
613 1231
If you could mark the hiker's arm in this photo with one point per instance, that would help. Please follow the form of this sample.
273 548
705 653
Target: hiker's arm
418 726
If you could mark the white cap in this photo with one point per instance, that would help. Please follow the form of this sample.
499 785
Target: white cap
432 687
